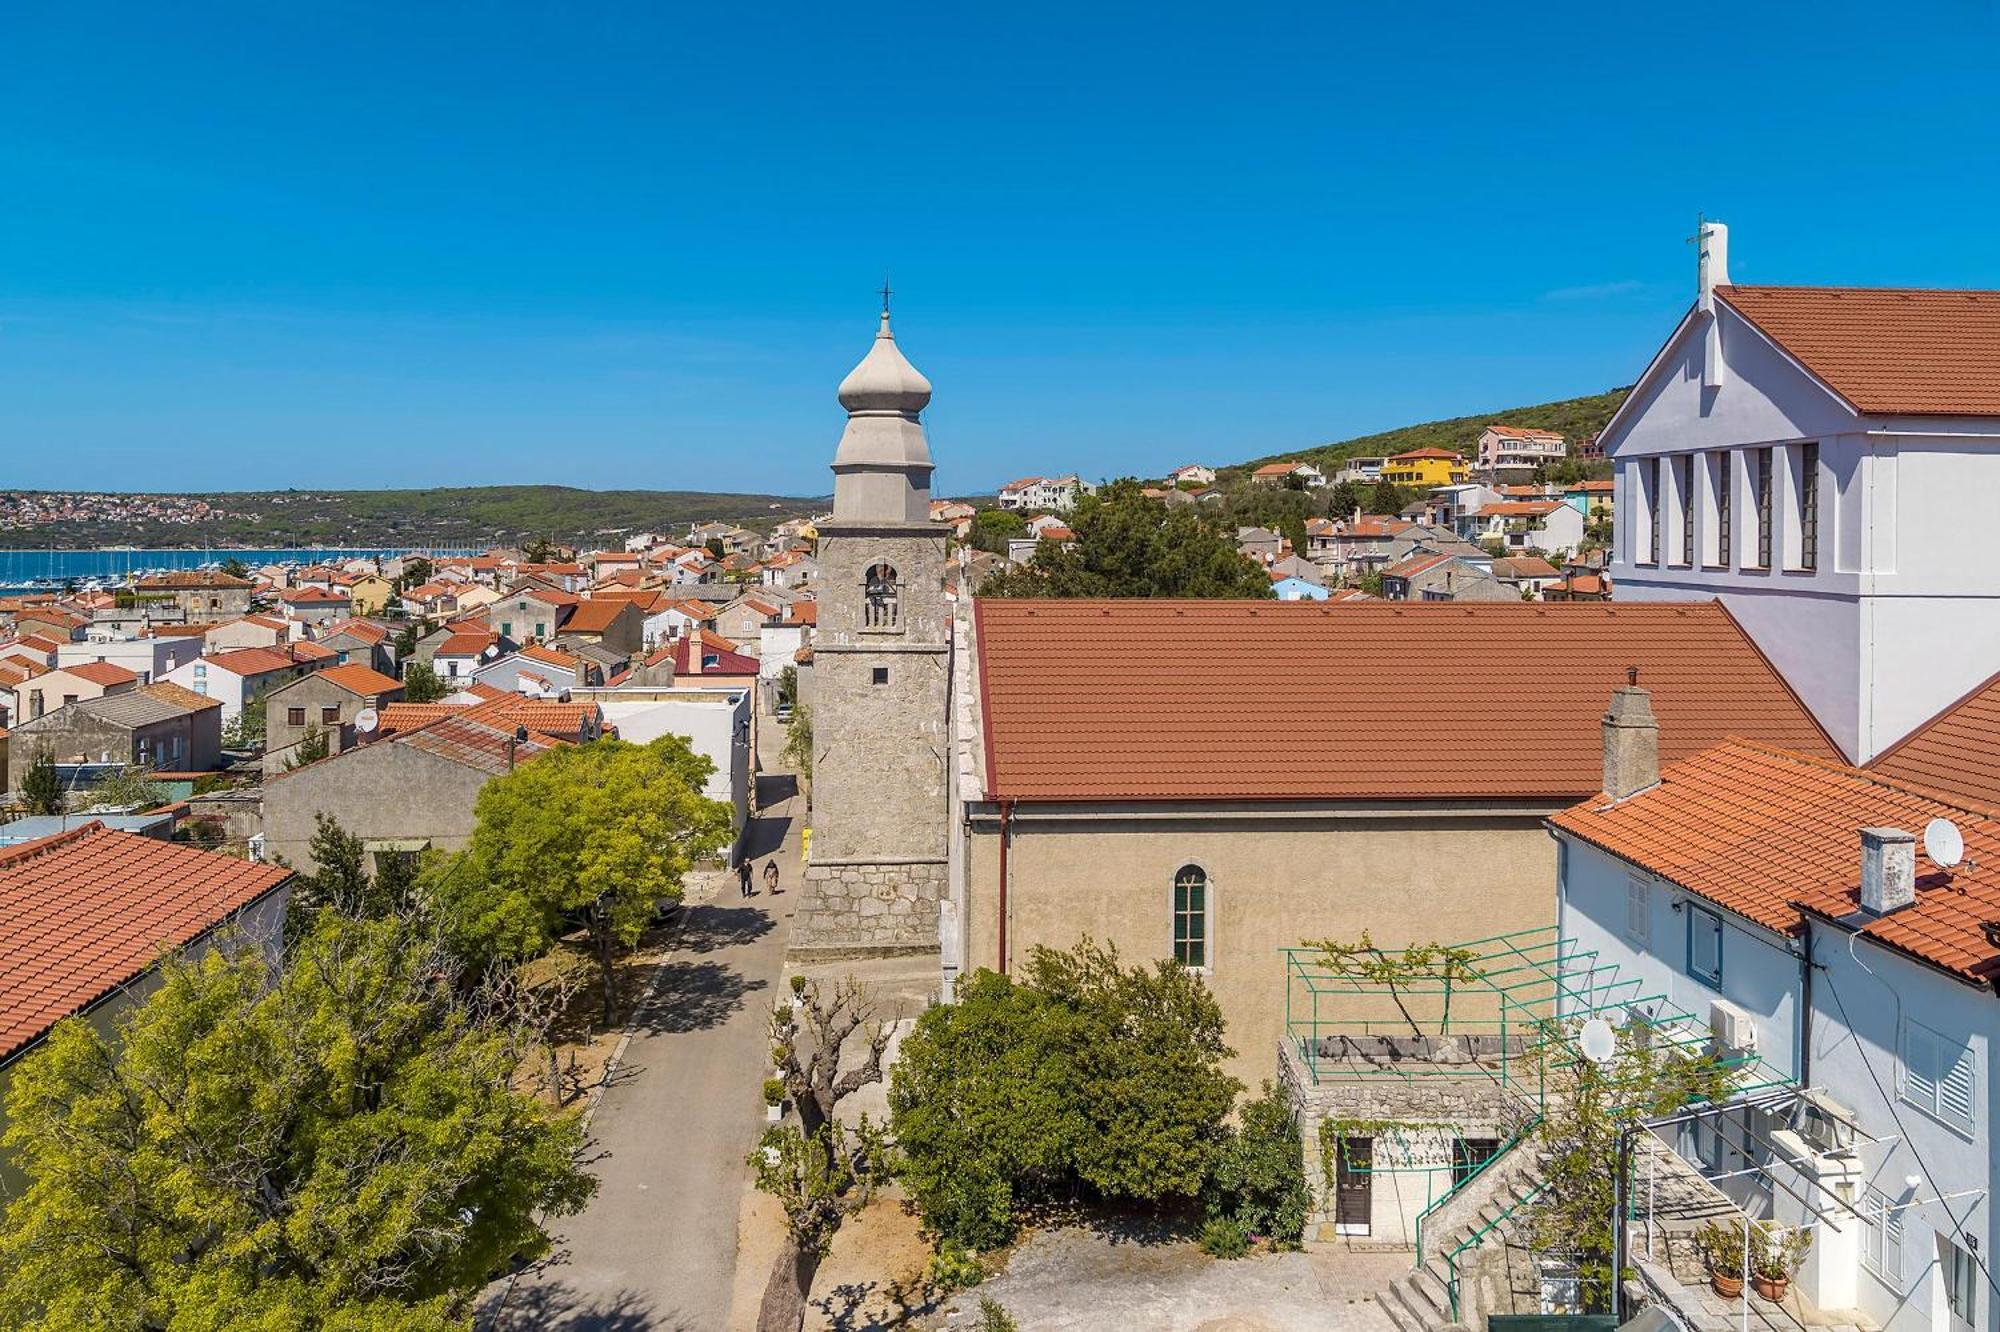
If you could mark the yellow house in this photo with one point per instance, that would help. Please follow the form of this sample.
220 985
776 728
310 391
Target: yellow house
1425 467
370 594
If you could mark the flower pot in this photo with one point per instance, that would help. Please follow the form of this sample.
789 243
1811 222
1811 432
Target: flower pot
1771 1288
1726 1284
774 1113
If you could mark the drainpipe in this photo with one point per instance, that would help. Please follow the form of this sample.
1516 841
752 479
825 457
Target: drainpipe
1805 1003
1006 824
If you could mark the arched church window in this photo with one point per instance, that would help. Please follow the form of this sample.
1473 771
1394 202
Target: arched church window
1191 916
881 606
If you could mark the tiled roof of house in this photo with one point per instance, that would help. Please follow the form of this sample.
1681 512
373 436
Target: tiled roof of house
359 630
1416 564
1425 453
728 661
38 642
1604 486
1024 483
1275 469
1522 432
1522 508
307 650
1525 566
1887 350
1957 751
409 716
1583 585
1756 829
88 910
312 596
594 617
1155 699
563 721
476 743
802 612
101 673
180 579
252 661
549 656
358 679
466 643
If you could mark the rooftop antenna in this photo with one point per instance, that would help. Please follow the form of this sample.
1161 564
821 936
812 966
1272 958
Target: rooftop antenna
1944 844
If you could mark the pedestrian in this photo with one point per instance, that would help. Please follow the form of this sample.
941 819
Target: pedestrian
743 877
771 876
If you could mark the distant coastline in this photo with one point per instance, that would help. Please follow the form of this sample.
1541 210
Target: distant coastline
49 569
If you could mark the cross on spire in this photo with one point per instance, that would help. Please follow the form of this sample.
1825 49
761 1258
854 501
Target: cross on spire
886 293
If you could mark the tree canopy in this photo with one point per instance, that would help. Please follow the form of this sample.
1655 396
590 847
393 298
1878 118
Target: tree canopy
335 1144
1129 545
422 684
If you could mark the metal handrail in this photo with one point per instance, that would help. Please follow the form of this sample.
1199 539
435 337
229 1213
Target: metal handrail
1470 1241
1466 1183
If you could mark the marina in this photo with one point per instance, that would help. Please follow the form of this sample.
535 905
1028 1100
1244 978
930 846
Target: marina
47 570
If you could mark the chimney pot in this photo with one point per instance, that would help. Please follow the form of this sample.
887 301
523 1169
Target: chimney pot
1631 743
1888 869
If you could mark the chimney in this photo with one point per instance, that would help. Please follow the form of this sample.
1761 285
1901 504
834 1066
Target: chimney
1631 741
1888 869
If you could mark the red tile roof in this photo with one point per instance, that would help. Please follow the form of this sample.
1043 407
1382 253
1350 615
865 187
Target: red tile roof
191 578
1957 751
409 716
88 910
1756 829
166 691
1887 350
1155 700
1522 432
358 679
253 661
1522 508
476 743
466 643
727 660
101 673
312 596
594 617
549 656
1425 453
802 612
1415 565
370 634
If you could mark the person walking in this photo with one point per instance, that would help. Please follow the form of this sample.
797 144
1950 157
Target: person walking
743 877
771 875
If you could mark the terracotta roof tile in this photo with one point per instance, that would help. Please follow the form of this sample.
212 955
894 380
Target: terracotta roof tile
191 578
1887 350
594 617
87 910
252 661
1756 829
358 679
1957 752
1522 432
1425 453
101 673
1353 700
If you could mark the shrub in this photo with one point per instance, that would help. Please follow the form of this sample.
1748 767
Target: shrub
774 1091
1084 1078
994 1318
1259 1178
1222 1237
955 1268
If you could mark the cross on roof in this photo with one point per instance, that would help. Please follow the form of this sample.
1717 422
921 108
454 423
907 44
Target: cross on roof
886 293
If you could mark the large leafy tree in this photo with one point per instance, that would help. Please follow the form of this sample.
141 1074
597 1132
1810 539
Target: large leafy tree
336 1145
602 831
41 785
1128 545
422 683
1087 1075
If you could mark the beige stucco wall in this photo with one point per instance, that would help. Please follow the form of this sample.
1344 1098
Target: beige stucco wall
1274 883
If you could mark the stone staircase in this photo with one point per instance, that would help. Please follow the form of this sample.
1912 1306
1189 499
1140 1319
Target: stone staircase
1421 1301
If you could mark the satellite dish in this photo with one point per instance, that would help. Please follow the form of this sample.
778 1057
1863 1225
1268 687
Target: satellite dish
1598 1041
490 651
1943 843
366 720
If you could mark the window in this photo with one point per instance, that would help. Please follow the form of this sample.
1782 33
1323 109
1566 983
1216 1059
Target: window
1809 507
1961 1283
1191 916
1882 1238
295 716
1638 898
1684 486
506 628
1724 473
1763 497
329 716
200 670
541 628
880 675
1937 1076
201 687
1704 944
881 599
1655 503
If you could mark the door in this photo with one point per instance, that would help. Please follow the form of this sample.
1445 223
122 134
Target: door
1353 1197
1468 1154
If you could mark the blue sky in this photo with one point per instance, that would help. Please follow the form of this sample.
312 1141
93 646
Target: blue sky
636 245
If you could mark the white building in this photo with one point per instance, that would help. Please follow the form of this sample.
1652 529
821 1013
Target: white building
1503 448
148 658
1057 494
1794 903
1820 458
715 722
1194 474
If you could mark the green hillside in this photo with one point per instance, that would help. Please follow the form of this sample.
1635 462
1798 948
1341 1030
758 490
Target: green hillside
1576 418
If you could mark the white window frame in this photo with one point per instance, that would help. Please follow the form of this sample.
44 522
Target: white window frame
1882 1239
1694 913
1936 1088
1638 908
1207 966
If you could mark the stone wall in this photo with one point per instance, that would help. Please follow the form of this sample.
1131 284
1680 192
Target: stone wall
862 909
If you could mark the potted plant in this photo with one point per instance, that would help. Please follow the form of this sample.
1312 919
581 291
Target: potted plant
1721 1247
774 1099
1775 1255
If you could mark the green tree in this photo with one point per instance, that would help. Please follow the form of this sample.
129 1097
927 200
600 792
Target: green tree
246 727
234 567
1085 1076
1345 500
407 636
333 1144
41 785
340 882
1388 498
788 687
540 550
1294 531
313 746
416 572
715 547
799 742
605 830
1259 1179
422 684
993 528
131 785
1128 545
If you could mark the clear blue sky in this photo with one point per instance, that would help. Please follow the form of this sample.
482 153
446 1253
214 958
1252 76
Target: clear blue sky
636 245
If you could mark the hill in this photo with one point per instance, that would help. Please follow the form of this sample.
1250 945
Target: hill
1576 418
461 516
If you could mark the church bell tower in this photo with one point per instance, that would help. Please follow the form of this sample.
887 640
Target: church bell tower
881 678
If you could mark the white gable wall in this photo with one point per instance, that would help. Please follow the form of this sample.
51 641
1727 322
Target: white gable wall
1899 617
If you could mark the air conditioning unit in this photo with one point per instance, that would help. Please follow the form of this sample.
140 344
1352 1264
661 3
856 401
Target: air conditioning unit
1735 1030
1825 1125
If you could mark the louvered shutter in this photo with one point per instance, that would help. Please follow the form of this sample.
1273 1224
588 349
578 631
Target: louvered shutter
1920 1061
1954 1083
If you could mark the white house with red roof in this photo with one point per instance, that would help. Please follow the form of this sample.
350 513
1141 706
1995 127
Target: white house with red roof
1505 447
1814 457
1057 494
244 675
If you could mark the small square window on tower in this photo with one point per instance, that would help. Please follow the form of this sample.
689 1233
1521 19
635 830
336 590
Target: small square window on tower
881 675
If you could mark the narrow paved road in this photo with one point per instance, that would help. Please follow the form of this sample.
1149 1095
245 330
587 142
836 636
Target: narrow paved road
656 1248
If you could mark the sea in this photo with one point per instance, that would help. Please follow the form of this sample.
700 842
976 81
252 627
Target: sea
51 570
